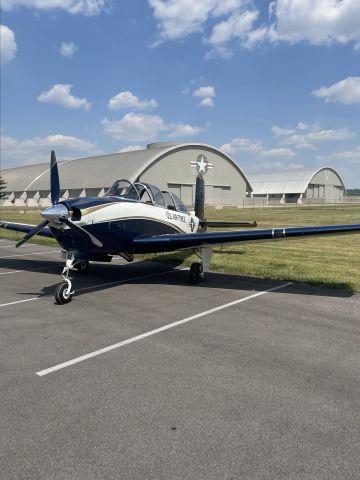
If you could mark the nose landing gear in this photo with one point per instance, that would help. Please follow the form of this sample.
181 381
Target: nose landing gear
64 292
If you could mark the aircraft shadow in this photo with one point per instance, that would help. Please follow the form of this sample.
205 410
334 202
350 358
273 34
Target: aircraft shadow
106 276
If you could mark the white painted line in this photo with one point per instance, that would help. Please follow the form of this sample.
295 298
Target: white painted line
34 253
60 366
95 286
20 301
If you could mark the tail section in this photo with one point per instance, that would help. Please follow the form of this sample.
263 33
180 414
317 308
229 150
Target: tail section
199 207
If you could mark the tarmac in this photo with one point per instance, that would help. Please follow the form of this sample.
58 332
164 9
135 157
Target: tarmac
146 377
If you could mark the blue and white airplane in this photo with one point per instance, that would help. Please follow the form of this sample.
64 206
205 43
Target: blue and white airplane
135 218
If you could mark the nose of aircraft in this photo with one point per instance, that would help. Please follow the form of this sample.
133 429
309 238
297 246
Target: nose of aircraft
55 213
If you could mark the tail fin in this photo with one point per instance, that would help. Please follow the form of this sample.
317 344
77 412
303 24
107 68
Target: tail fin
199 207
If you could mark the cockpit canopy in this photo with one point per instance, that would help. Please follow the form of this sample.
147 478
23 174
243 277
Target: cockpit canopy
146 193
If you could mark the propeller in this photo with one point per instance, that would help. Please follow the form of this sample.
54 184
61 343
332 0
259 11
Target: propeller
199 207
82 232
199 203
58 212
32 233
54 179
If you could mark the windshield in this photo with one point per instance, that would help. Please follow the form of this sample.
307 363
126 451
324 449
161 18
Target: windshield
180 207
123 188
151 193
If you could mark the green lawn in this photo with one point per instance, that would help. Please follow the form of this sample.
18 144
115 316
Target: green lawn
329 260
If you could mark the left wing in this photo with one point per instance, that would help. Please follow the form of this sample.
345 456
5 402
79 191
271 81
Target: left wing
168 243
25 228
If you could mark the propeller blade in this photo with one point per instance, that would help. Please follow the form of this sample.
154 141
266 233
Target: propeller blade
32 233
82 232
54 179
199 203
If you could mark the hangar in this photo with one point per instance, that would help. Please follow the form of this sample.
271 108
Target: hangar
293 186
170 166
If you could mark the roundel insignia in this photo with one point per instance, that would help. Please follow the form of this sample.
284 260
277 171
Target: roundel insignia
202 164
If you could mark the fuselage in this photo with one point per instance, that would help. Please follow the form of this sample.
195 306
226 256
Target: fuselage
117 221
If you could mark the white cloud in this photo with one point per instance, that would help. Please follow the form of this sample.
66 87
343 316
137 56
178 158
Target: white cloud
183 130
84 7
207 102
60 94
136 127
315 22
255 148
68 49
179 18
7 44
128 100
318 22
305 136
37 149
207 95
274 166
351 156
237 26
131 148
203 92
279 132
346 91
140 127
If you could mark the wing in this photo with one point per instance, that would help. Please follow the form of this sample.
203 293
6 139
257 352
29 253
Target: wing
168 243
25 228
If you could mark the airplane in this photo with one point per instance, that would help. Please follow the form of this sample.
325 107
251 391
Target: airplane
137 218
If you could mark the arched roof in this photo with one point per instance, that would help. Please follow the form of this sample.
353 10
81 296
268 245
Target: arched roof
100 171
285 181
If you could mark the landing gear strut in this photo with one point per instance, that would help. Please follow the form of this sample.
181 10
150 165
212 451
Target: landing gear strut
64 291
197 270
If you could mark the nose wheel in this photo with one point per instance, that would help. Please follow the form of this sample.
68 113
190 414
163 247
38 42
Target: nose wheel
64 291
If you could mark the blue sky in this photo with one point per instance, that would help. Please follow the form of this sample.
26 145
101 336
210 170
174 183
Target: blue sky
274 84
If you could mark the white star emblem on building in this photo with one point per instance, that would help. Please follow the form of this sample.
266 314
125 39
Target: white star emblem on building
202 164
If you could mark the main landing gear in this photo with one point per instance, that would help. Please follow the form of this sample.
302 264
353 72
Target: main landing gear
197 270
64 291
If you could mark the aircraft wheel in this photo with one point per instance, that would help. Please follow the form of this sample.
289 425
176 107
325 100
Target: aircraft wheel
196 273
82 266
61 295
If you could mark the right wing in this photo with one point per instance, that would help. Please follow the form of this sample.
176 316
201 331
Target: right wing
172 242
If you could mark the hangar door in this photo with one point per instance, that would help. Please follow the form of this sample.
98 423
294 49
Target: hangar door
184 192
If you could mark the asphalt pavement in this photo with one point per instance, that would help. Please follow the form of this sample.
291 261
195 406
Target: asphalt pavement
146 377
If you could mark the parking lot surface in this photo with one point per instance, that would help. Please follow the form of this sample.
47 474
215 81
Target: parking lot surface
144 376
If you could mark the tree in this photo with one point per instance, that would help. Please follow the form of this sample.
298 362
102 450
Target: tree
2 187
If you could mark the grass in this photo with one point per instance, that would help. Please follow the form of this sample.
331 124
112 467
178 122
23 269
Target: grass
332 261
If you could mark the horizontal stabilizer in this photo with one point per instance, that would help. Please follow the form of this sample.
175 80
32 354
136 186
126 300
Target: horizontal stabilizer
206 223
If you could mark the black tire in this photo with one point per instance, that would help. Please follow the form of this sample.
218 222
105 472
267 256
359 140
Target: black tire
196 274
60 294
82 266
